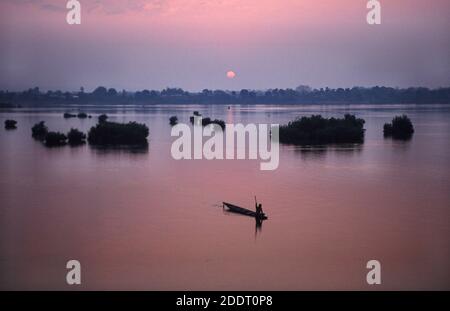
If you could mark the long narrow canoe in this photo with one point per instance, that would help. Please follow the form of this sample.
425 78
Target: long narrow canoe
240 210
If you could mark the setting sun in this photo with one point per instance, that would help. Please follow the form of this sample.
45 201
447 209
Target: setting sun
231 74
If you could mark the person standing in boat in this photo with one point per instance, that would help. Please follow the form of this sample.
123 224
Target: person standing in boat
259 210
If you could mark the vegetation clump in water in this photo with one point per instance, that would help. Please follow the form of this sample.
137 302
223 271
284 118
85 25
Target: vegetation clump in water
81 115
207 121
102 118
116 134
318 130
10 124
76 137
68 115
173 120
39 131
55 139
401 127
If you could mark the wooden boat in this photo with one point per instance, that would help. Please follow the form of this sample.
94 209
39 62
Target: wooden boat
243 211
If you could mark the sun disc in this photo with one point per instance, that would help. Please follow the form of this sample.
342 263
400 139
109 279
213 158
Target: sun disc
231 74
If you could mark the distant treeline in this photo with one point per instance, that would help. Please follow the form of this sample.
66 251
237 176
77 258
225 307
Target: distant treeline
300 95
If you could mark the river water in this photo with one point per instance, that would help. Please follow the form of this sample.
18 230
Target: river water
140 220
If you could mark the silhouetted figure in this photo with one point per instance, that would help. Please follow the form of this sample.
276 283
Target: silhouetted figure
259 210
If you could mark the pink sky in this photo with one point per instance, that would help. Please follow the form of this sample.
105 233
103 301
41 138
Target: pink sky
153 44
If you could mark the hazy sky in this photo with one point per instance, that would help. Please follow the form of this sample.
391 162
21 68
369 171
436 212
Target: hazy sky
153 44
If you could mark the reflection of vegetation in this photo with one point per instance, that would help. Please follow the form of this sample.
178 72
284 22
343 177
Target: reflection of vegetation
10 124
401 127
111 133
173 120
54 139
68 115
318 130
102 118
121 149
39 130
321 151
76 137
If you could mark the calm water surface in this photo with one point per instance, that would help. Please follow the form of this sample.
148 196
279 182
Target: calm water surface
141 220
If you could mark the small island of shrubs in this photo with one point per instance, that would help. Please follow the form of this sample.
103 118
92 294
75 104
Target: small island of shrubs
10 124
116 134
68 115
50 139
173 120
103 134
102 118
316 130
401 127
76 137
39 131
81 115
206 121
55 139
